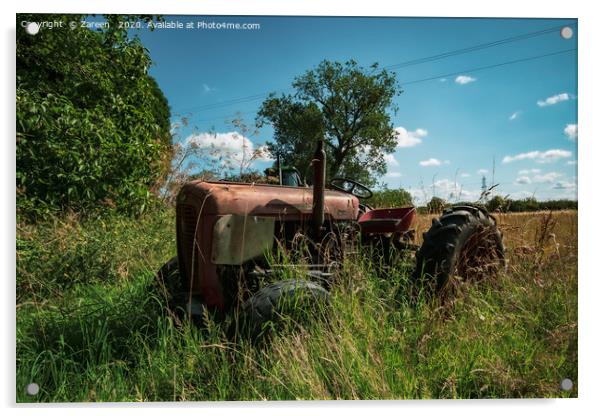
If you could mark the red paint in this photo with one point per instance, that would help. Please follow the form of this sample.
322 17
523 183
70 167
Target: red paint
387 220
199 205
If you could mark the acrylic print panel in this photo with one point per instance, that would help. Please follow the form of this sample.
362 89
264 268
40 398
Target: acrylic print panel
244 208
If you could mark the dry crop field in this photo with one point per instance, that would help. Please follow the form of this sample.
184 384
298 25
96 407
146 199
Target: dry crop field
546 232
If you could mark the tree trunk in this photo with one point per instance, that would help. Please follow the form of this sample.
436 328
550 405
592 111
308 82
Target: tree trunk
334 165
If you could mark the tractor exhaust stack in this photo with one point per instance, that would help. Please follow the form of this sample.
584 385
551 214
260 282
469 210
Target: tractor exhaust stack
319 165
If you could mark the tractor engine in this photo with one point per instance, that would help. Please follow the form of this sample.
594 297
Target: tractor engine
234 224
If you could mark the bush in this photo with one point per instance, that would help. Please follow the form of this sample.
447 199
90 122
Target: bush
531 204
436 205
92 125
390 198
497 203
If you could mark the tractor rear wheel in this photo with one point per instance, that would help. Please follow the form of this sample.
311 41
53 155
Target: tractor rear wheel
288 301
464 244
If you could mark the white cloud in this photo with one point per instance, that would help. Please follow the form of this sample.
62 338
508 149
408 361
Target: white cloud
262 153
464 79
564 185
390 159
446 185
523 180
548 156
547 178
394 174
520 194
207 88
446 189
571 162
570 131
465 175
482 171
365 157
555 99
514 115
430 162
452 190
407 138
467 195
231 146
418 194
528 171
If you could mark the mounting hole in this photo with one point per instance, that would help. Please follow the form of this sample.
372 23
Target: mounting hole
32 28
32 389
566 384
566 32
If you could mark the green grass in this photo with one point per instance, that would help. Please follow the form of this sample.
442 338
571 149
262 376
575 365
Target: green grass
91 326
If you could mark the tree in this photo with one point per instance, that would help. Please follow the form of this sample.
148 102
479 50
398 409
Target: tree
345 104
436 205
92 124
497 203
391 198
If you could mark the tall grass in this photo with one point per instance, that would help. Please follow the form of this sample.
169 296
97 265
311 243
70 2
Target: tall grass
92 326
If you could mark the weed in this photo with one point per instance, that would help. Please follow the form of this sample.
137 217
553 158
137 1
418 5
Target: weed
92 326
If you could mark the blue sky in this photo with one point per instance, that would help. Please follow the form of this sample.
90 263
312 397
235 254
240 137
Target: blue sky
451 129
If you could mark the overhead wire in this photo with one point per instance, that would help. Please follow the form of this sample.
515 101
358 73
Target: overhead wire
431 58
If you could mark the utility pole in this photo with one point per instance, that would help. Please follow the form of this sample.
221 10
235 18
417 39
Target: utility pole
484 186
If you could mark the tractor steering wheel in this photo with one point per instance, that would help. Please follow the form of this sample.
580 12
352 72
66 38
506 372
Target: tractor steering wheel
351 187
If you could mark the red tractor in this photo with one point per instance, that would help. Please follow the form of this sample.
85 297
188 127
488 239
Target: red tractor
230 236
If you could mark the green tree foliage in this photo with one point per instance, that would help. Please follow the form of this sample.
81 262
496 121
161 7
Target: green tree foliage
504 204
92 125
436 205
497 203
531 204
391 198
347 105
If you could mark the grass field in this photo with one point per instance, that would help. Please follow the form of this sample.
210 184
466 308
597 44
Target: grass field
91 325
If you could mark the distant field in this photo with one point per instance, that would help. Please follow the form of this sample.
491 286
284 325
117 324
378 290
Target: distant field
520 228
91 324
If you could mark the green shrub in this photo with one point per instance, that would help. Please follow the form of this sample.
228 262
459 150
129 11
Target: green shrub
436 205
390 198
92 125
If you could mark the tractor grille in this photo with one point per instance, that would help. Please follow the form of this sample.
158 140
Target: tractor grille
187 224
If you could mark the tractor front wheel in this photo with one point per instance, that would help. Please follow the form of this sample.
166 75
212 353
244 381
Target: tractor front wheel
279 304
171 285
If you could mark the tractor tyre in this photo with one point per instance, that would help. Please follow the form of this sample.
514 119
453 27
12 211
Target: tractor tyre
288 301
171 285
464 244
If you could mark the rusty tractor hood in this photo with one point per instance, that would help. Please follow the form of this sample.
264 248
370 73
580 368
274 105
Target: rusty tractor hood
228 223
285 202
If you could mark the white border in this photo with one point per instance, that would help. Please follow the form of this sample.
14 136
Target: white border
589 222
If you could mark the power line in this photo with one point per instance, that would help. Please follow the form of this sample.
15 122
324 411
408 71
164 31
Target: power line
476 47
227 103
464 71
482 68
250 98
226 116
